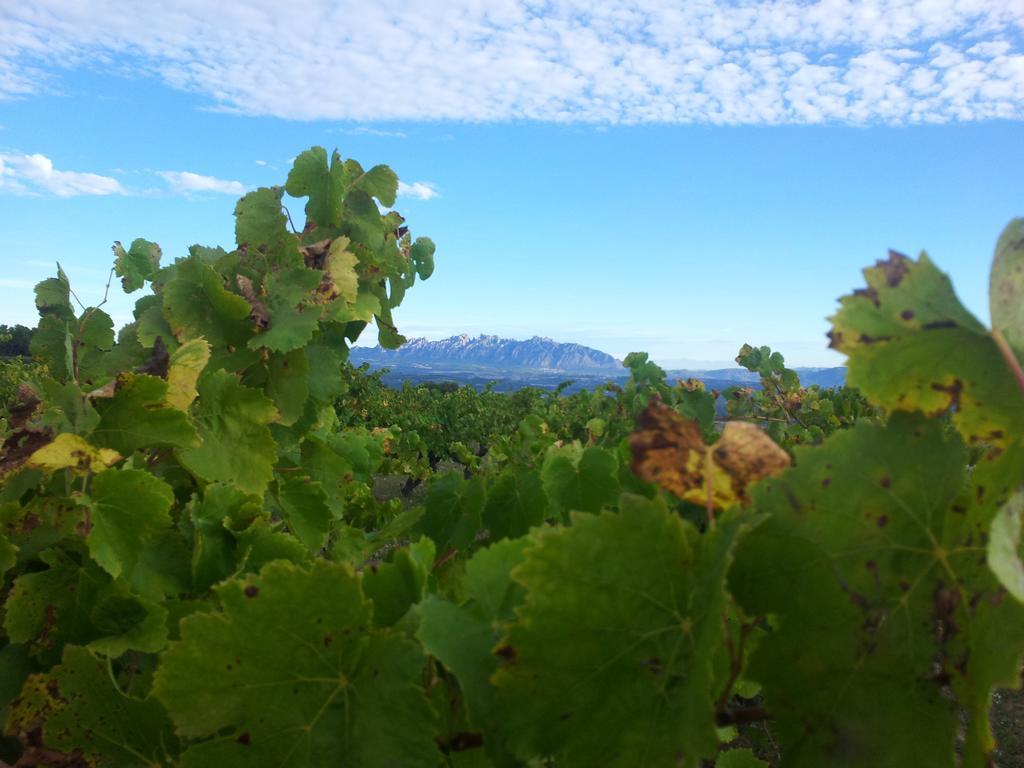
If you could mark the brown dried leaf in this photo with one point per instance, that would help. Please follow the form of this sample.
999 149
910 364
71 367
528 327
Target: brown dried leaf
315 254
669 451
260 314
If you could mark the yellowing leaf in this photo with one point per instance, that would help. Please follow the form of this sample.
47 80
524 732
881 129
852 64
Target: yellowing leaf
187 362
669 451
69 451
339 287
341 267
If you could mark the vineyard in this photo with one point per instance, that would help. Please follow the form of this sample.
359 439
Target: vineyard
222 545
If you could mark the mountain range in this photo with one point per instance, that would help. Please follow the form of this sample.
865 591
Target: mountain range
538 361
538 353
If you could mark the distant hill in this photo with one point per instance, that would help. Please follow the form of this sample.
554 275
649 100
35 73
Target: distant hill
823 377
538 353
538 362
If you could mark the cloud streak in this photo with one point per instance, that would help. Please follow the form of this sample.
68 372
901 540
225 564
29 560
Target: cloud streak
35 174
186 183
420 190
620 61
365 130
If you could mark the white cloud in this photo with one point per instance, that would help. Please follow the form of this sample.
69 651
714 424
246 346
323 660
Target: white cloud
618 61
364 130
421 190
185 182
35 174
261 162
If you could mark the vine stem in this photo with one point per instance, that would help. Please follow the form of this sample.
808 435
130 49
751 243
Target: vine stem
780 398
113 678
709 502
86 314
290 222
1011 359
736 653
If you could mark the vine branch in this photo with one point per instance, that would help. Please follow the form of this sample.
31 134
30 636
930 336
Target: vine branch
1011 359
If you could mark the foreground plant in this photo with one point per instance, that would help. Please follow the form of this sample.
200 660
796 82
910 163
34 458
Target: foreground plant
193 577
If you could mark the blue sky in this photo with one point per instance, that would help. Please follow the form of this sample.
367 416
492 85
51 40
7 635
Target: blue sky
674 178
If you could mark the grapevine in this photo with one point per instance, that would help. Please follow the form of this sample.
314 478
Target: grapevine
198 569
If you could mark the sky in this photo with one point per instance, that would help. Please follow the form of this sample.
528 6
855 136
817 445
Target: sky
674 177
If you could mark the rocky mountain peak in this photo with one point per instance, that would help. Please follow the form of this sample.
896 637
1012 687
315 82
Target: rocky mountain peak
538 352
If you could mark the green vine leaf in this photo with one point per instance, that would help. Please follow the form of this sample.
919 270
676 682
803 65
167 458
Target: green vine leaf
363 310
261 230
197 304
305 509
516 502
129 509
40 522
463 636
422 255
324 185
387 334
379 182
361 219
580 479
8 554
76 708
74 349
1006 546
324 382
453 507
237 446
293 316
1006 289
739 758
139 415
610 659
53 297
150 324
396 586
215 518
261 543
53 345
136 265
291 672
79 603
64 408
288 384
873 565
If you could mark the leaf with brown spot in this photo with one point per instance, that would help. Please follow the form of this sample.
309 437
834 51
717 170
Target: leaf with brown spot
669 450
18 447
259 314
81 719
883 635
315 254
69 451
912 346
